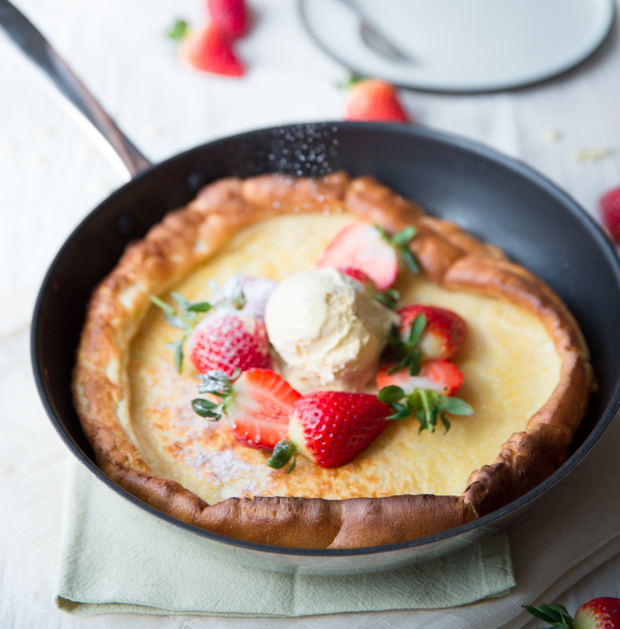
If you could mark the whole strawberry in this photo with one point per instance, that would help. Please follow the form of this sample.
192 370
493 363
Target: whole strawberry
227 340
599 613
331 428
370 99
208 49
230 16
610 213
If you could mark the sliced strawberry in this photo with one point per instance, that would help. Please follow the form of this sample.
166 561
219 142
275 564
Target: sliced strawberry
209 50
610 213
260 410
443 335
227 340
435 375
361 246
230 16
257 404
374 100
331 428
356 274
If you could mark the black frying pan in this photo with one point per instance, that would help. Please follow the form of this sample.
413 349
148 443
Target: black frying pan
492 196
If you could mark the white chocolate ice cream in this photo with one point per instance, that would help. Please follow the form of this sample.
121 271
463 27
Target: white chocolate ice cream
327 330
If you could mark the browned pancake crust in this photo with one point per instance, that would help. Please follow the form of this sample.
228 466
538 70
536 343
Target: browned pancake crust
452 258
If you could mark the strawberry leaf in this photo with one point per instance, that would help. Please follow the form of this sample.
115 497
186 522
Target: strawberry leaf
556 615
407 353
178 30
402 238
427 406
207 409
282 454
388 298
177 347
391 394
417 327
201 306
455 406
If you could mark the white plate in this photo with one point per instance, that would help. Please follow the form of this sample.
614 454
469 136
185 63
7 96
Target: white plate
462 45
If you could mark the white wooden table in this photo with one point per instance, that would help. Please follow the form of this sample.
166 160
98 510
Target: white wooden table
51 176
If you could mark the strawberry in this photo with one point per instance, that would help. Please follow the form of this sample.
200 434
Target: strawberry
435 375
230 16
209 50
331 428
251 290
370 250
257 404
599 613
357 274
227 340
443 335
370 99
232 335
610 213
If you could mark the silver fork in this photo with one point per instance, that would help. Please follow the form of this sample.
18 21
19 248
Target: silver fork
374 39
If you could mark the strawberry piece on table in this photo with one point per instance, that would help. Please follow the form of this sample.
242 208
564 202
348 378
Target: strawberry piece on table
230 16
257 404
443 335
370 99
435 375
210 50
227 340
610 213
370 250
331 428
599 613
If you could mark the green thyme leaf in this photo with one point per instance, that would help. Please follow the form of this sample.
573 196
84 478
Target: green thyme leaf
178 30
291 467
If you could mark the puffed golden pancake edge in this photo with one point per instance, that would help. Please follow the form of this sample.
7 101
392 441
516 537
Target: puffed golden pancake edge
449 256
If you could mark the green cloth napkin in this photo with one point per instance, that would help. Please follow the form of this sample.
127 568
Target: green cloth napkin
116 558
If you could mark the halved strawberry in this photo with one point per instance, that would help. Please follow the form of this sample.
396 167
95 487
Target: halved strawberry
227 340
370 250
444 332
209 50
435 375
331 428
356 274
257 404
230 16
599 613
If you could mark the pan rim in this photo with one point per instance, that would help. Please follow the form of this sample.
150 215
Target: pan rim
464 144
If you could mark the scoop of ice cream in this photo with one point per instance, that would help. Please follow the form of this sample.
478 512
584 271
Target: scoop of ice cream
327 330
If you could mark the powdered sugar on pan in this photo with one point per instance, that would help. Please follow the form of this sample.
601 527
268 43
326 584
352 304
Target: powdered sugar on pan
304 149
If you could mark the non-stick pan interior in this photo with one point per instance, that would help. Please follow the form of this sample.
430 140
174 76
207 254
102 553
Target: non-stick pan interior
491 196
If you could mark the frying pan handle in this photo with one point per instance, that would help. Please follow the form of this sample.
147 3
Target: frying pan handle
121 152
